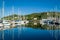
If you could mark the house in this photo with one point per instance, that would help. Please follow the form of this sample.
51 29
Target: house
35 18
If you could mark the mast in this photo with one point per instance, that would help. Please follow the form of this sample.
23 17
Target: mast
0 14
3 9
18 14
3 20
8 16
13 11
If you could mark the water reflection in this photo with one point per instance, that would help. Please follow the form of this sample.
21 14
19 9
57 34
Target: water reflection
32 30
55 34
44 27
34 24
25 33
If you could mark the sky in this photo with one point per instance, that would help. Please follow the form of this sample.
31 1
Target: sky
24 7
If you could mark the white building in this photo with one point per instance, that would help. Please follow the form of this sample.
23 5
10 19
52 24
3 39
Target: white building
35 18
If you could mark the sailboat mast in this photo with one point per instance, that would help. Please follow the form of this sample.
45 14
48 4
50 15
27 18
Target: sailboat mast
18 14
13 11
3 20
3 9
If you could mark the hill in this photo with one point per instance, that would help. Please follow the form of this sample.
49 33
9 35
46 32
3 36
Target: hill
33 15
43 15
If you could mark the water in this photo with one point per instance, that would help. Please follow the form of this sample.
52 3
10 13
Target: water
27 33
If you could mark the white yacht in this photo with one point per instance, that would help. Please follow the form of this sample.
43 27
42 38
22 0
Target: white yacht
6 24
18 22
24 22
1 25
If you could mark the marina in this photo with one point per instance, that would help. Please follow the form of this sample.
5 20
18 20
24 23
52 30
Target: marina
29 20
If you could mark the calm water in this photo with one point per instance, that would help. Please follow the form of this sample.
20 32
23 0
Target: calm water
25 33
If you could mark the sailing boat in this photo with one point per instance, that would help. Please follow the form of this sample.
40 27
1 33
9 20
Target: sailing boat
17 22
1 25
13 21
5 22
1 21
24 21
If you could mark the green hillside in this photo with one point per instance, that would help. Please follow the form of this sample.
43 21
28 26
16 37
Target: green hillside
43 15
33 15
